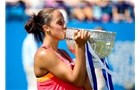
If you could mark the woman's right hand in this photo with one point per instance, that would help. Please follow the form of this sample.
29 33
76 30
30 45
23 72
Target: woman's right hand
81 36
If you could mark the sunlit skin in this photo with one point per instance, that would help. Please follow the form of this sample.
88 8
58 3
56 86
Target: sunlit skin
47 61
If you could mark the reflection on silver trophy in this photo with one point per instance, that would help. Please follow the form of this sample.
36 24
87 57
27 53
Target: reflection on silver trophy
102 42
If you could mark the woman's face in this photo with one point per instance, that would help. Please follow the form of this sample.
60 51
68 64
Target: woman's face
58 25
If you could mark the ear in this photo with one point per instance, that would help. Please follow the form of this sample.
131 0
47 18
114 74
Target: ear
45 28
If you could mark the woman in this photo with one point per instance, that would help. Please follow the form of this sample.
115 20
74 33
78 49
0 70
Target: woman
53 67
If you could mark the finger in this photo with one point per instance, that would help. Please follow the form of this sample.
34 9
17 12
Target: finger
82 32
77 34
88 35
85 34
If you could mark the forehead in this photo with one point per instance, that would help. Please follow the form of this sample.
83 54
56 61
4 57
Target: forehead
57 15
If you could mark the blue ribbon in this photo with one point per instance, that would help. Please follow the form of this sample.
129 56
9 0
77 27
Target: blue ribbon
107 77
91 67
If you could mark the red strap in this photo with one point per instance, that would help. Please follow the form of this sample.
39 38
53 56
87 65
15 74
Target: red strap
50 49
66 55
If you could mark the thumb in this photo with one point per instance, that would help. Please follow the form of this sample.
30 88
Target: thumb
76 34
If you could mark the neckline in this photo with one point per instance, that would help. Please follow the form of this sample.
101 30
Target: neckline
61 54
66 57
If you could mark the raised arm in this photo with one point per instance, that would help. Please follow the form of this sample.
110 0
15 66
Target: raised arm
49 62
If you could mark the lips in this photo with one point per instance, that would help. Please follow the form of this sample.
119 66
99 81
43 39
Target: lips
65 32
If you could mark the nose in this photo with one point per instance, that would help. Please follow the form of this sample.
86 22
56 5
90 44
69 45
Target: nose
65 27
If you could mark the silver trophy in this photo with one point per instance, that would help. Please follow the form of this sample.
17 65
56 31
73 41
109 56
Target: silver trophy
102 42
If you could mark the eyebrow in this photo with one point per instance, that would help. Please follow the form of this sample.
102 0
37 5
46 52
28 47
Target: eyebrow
61 19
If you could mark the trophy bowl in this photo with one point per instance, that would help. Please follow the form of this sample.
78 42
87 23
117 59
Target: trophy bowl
102 42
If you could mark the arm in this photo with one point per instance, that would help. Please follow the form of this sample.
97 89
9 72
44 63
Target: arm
47 60
87 85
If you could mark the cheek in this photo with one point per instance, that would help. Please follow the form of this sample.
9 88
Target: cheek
57 27
58 31
60 34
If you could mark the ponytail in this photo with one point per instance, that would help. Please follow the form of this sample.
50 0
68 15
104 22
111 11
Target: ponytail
32 26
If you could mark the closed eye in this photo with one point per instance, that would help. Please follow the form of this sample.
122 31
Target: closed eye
61 22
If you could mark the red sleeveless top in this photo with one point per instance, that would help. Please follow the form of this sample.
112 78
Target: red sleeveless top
50 82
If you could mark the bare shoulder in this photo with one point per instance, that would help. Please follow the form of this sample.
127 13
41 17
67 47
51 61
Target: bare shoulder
41 54
44 60
44 57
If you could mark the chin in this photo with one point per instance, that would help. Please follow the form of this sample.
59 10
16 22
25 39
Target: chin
63 38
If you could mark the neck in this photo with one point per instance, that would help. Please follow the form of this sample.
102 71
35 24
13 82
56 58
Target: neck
52 43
